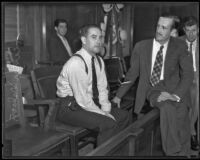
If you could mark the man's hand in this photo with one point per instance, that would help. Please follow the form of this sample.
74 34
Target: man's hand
166 96
117 100
110 115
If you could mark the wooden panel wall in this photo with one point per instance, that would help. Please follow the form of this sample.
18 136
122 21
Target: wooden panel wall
76 16
36 22
10 21
146 14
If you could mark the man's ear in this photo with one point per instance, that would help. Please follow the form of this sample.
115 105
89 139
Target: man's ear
56 28
83 39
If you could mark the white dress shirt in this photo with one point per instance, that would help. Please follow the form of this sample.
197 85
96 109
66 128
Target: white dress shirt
66 44
194 44
155 49
74 81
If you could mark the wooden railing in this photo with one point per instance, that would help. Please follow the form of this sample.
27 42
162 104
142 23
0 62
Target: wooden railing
138 139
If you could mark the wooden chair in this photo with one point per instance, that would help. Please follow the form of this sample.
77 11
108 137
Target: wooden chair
50 63
114 72
20 139
44 82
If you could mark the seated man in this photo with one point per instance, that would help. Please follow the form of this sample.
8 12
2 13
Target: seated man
83 79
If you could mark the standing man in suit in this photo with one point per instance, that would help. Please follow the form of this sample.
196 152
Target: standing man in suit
164 68
58 46
191 37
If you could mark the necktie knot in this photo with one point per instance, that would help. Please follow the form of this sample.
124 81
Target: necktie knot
161 48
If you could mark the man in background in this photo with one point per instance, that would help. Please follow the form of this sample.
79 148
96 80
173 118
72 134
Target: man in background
58 45
191 37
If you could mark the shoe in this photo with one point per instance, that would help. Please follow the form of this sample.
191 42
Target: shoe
194 143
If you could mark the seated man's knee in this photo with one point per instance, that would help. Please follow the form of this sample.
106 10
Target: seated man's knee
108 124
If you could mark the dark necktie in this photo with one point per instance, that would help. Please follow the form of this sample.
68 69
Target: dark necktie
190 49
94 85
155 76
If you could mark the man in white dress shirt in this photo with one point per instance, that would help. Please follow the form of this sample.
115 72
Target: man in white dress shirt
76 81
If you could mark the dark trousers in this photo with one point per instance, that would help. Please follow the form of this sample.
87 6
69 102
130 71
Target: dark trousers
174 123
91 120
175 127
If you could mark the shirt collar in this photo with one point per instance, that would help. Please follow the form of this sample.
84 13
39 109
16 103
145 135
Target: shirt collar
86 56
158 44
62 37
194 42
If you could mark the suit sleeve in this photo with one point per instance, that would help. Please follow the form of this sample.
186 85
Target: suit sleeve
186 73
132 73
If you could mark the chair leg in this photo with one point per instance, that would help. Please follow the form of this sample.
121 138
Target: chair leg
74 145
95 143
41 116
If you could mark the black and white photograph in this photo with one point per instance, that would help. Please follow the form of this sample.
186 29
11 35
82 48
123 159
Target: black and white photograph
101 79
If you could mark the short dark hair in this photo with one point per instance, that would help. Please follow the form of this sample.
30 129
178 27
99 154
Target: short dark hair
84 29
171 16
190 21
58 21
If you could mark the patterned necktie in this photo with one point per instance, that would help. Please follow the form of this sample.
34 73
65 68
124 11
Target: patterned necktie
155 76
94 85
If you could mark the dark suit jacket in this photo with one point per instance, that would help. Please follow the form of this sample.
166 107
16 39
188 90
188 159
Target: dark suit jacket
197 66
57 50
196 53
178 73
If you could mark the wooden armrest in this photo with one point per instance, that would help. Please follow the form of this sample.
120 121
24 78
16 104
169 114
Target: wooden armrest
51 63
42 101
49 122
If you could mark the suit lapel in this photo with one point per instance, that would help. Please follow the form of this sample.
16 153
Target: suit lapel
61 43
169 52
148 56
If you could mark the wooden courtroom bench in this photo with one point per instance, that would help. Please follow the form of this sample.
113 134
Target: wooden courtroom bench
136 140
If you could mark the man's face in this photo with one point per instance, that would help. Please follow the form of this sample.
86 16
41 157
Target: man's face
61 29
93 41
163 29
191 32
